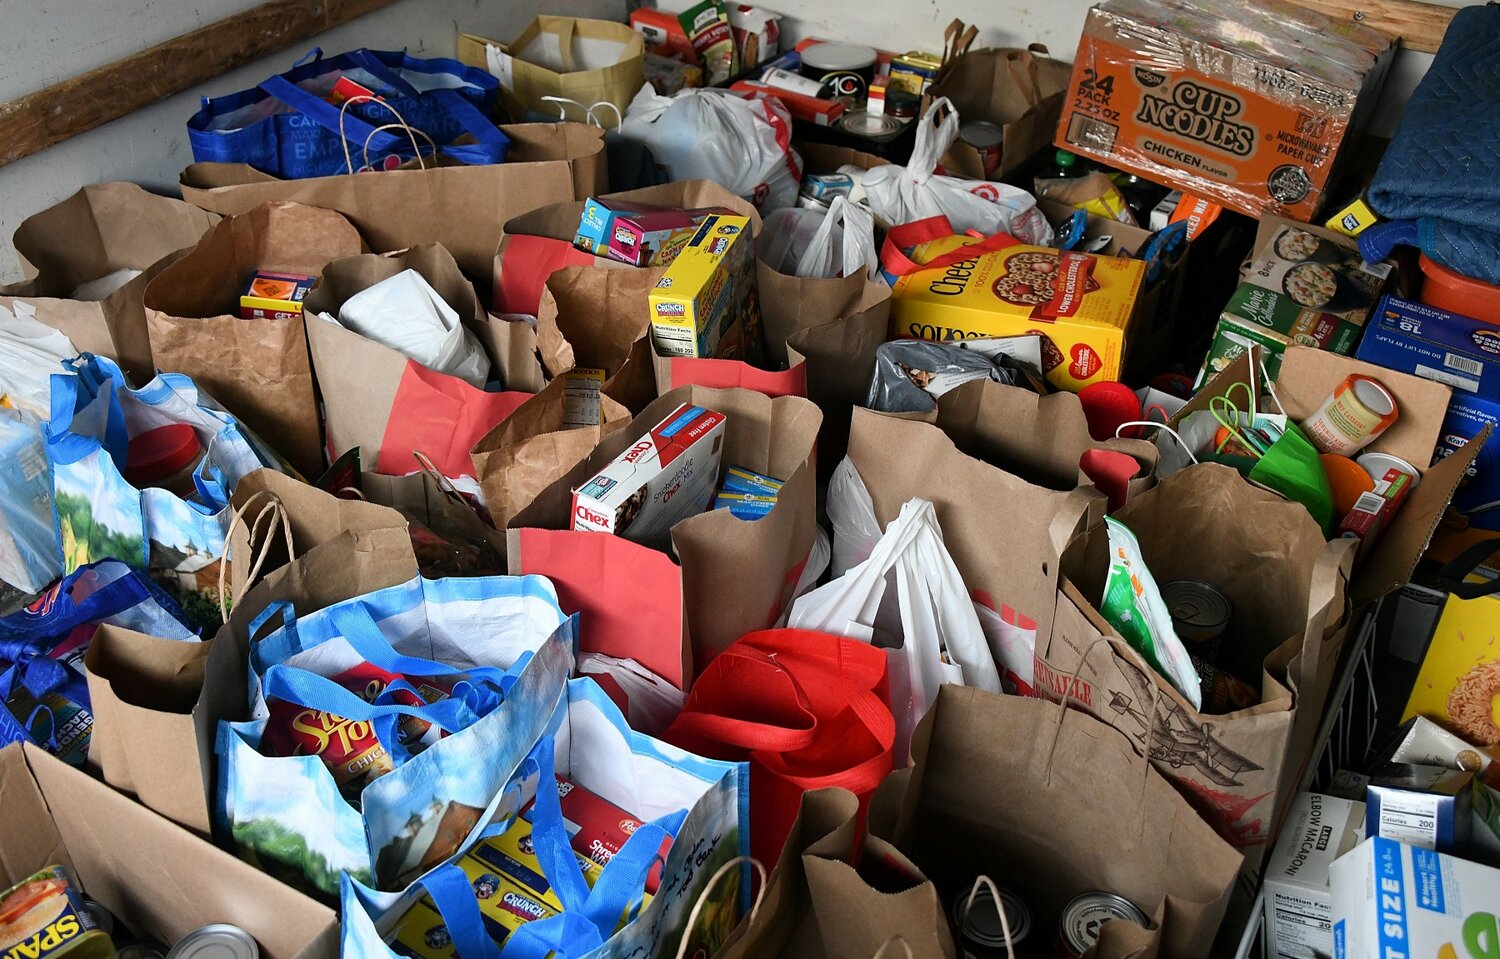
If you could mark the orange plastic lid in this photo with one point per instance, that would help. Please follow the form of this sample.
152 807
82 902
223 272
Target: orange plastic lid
1347 479
1452 291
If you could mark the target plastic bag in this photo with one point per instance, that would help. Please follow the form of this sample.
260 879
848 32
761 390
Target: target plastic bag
741 143
821 244
915 192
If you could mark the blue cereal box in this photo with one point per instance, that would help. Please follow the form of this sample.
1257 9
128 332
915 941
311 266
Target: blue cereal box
1425 341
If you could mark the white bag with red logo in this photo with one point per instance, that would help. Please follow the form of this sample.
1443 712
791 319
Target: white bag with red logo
916 192
742 143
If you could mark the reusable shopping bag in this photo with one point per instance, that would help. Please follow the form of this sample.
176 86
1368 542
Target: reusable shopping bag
30 553
807 710
699 803
507 635
179 538
361 110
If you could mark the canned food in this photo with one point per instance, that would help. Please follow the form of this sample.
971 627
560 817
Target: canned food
141 949
865 124
914 72
1078 928
1359 409
976 916
217 941
902 105
45 917
104 920
986 138
1200 611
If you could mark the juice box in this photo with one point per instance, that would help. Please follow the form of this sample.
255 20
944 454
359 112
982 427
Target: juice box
275 296
705 305
1080 304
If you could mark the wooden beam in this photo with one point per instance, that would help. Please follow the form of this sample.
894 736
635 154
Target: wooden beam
79 104
1420 26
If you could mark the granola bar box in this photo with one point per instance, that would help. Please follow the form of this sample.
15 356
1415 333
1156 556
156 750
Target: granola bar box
1081 304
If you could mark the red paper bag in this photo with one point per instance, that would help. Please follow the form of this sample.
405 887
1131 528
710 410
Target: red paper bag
443 417
675 371
529 260
807 710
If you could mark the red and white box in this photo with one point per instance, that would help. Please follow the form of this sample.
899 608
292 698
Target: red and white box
664 477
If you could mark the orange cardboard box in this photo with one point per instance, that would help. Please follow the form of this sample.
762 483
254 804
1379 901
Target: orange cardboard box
1249 109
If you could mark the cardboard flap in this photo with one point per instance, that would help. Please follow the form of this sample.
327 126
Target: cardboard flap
594 318
341 279
29 839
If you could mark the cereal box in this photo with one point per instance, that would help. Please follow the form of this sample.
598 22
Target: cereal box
664 477
1080 304
598 829
1392 900
705 305
1245 104
275 296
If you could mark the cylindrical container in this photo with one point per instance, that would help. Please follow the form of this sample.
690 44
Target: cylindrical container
1078 927
104 920
141 949
1347 479
914 72
902 104
1452 291
217 941
1200 611
846 69
873 125
794 83
980 932
57 922
1358 410
987 139
165 457
857 174
1377 465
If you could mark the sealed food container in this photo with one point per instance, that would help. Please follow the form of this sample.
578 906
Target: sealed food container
44 916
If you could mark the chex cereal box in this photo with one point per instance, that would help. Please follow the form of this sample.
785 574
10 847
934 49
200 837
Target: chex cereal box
275 296
705 305
1080 304
664 477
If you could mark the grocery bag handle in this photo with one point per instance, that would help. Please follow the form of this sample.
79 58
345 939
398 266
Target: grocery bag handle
1029 82
304 688
747 734
448 887
895 261
708 887
92 377
1453 575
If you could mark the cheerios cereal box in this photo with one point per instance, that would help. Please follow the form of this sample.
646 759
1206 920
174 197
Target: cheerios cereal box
1081 304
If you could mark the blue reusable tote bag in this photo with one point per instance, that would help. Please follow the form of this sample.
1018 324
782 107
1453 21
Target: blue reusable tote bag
295 125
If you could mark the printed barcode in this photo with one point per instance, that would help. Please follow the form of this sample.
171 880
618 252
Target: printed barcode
1463 364
1368 503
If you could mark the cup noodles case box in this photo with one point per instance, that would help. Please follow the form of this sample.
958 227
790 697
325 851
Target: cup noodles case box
1080 305
705 304
1392 900
664 477
1244 104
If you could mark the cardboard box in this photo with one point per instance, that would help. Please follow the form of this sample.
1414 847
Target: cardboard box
275 296
666 476
154 876
705 304
1081 304
1473 503
1299 905
1424 742
1392 900
640 236
1425 341
1228 104
1426 806
1303 284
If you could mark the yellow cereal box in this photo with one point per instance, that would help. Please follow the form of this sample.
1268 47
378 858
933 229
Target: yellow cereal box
1459 684
705 304
1081 304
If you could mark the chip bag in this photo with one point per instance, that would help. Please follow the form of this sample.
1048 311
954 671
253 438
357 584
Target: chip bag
1133 605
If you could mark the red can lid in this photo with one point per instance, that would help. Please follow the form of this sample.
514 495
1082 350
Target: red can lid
159 453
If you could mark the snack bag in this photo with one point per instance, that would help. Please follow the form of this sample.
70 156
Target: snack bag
1133 605
707 26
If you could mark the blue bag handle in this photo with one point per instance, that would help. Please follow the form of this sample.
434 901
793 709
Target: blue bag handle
37 672
454 898
91 377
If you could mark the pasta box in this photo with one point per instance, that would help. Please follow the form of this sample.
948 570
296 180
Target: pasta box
1081 305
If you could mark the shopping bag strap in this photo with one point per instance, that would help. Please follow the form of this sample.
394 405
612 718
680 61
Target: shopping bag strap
305 688
751 734
895 261
357 625
1452 577
451 893
92 380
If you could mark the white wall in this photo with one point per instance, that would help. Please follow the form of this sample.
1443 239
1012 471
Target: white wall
45 41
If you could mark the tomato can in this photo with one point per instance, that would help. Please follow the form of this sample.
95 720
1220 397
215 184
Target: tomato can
1078 927
987 139
976 920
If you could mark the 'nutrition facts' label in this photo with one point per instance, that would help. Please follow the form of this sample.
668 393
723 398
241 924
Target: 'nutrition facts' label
1410 818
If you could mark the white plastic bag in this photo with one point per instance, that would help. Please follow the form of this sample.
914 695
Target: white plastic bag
906 194
30 354
851 513
406 314
822 244
652 702
741 143
932 636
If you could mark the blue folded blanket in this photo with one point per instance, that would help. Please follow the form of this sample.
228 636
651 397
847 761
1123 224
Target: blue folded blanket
1441 174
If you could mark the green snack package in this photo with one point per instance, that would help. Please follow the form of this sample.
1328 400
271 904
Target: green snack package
1133 605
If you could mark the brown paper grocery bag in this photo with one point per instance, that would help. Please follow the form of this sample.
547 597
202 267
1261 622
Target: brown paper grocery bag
840 359
259 369
1287 589
538 444
461 207
841 894
433 502
1021 91
103 228
141 691
736 575
1050 803
599 319
585 61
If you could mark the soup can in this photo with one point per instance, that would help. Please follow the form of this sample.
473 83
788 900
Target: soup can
1078 927
1357 411
217 941
1200 611
976 918
844 69
987 139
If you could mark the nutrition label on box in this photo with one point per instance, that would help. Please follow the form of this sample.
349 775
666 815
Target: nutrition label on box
1410 818
1303 927
581 388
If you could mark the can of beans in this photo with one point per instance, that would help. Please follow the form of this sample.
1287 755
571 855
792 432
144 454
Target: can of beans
1078 928
976 918
987 139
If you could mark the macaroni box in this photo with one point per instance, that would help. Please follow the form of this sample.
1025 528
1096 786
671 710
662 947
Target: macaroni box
275 296
1393 900
641 236
705 305
1246 105
1425 341
1299 905
1080 305
664 477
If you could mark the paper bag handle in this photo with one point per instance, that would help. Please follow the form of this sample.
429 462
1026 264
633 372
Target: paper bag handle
720 873
1028 78
274 512
880 953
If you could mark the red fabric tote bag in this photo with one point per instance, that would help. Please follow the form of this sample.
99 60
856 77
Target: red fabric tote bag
807 710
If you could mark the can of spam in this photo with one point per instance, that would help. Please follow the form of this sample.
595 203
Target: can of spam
44 917
1078 928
